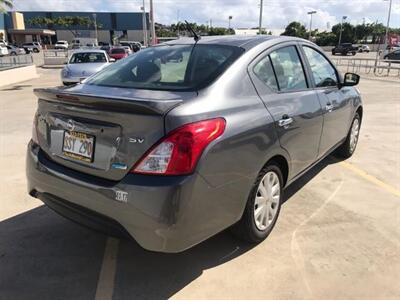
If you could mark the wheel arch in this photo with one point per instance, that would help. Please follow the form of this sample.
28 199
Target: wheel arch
360 112
283 165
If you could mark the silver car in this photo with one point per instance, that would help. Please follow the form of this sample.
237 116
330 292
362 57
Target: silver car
84 63
183 140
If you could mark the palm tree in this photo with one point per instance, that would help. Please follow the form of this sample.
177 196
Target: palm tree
4 4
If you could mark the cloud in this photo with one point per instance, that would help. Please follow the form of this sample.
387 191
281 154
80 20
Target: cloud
277 13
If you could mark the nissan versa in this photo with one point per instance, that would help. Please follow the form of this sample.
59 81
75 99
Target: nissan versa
182 140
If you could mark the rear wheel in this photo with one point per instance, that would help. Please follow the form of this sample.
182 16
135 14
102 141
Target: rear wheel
263 206
349 145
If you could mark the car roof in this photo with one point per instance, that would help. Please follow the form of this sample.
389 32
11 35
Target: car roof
243 41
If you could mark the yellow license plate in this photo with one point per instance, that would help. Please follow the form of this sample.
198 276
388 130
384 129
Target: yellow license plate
78 145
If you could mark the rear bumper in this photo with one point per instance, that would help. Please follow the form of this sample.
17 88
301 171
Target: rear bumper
159 212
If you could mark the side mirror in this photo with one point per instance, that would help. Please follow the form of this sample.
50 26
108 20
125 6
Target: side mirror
112 59
351 79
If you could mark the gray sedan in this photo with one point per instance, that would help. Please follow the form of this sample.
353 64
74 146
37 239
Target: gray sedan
180 141
82 64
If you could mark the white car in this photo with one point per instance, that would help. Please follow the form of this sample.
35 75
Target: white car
364 48
3 50
61 45
84 63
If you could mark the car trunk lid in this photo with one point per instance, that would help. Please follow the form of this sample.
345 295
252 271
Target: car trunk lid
120 125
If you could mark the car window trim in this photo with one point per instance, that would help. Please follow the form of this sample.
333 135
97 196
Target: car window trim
314 86
267 52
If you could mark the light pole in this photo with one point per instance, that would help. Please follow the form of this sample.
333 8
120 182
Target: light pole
144 24
311 13
387 25
177 21
153 25
95 27
229 23
260 20
341 29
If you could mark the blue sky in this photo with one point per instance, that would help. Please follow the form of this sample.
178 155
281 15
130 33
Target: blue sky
277 13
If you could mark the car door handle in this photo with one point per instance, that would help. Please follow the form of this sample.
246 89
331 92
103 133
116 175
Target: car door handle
285 121
329 107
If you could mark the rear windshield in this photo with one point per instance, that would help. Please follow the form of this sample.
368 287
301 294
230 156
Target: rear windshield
118 51
87 57
169 67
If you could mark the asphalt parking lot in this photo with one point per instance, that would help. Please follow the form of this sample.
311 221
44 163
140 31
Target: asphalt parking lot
338 235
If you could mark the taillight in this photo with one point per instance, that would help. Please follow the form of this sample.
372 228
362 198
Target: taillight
34 130
179 151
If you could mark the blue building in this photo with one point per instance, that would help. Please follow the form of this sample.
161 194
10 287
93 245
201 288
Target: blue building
123 26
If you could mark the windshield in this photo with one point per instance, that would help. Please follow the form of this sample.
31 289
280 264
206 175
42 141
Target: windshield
169 67
87 57
118 51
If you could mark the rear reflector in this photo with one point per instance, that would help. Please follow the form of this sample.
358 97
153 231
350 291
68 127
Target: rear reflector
179 151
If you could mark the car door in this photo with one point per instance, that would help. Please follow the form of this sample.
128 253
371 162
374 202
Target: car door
281 82
335 102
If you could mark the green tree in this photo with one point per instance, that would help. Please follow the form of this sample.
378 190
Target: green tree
326 39
4 4
295 29
67 22
348 35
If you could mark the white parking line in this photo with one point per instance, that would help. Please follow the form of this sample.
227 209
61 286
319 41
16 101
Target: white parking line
295 249
105 284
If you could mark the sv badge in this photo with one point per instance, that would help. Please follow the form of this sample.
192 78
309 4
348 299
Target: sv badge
136 140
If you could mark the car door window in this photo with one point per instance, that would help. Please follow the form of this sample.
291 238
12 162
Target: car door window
264 71
288 69
323 72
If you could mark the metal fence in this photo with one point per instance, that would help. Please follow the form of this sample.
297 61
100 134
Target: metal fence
9 62
55 57
377 67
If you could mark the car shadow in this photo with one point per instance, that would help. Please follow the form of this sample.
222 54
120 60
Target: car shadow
44 256
292 189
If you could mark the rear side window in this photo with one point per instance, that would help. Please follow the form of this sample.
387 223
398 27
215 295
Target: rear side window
288 69
323 73
264 71
169 67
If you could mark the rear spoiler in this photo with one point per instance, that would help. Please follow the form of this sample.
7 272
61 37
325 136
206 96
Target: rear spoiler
107 102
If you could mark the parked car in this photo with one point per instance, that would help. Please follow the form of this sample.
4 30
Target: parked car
118 53
63 45
134 46
81 41
345 49
364 48
395 55
172 153
106 48
3 50
82 64
128 50
12 50
32 47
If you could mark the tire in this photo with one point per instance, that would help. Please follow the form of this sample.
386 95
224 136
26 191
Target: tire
35 50
353 53
247 228
348 147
